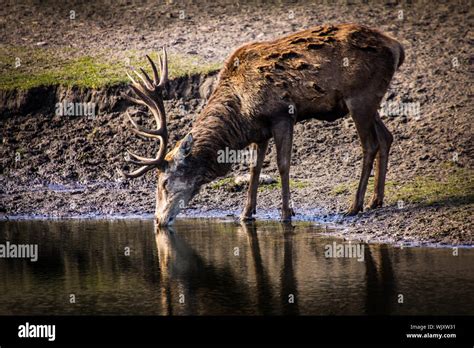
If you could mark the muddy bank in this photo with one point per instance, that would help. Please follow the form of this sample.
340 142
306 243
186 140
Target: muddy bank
44 99
65 166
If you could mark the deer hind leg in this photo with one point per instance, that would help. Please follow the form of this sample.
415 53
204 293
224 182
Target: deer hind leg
365 125
251 204
385 140
283 136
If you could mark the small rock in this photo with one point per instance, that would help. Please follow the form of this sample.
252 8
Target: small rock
245 179
424 157
178 41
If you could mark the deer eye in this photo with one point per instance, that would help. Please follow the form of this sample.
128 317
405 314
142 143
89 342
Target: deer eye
165 182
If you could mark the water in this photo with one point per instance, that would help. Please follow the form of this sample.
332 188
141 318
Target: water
222 268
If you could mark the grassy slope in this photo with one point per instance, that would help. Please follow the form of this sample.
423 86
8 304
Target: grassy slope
52 66
456 186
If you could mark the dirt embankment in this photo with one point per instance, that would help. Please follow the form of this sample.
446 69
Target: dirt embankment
65 166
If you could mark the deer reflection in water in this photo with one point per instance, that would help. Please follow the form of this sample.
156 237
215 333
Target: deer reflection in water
186 277
195 265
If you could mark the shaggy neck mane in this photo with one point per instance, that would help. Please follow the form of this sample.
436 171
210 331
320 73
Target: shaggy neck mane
220 125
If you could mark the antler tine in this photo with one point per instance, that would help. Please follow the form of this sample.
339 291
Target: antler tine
163 68
156 107
145 84
153 67
144 160
132 99
137 129
148 92
136 173
149 80
141 84
131 77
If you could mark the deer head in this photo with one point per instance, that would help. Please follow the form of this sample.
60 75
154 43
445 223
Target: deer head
175 184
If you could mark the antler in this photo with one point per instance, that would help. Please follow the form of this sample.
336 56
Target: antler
149 93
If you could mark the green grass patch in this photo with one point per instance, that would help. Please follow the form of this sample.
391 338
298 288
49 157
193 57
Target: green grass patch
340 189
230 185
294 184
52 66
456 186
222 183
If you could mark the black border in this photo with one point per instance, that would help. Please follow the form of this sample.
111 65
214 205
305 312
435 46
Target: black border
133 330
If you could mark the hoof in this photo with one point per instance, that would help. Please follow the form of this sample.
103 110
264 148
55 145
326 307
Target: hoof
375 204
352 212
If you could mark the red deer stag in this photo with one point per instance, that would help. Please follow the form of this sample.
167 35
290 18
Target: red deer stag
324 72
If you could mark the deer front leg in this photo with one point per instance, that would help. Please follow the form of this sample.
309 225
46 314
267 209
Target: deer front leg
283 136
255 169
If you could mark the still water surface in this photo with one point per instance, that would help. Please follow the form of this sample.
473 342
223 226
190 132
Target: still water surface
211 267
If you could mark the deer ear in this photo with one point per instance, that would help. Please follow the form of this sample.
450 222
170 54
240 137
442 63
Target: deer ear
185 147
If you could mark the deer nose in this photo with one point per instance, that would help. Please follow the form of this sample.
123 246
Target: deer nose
161 221
164 219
